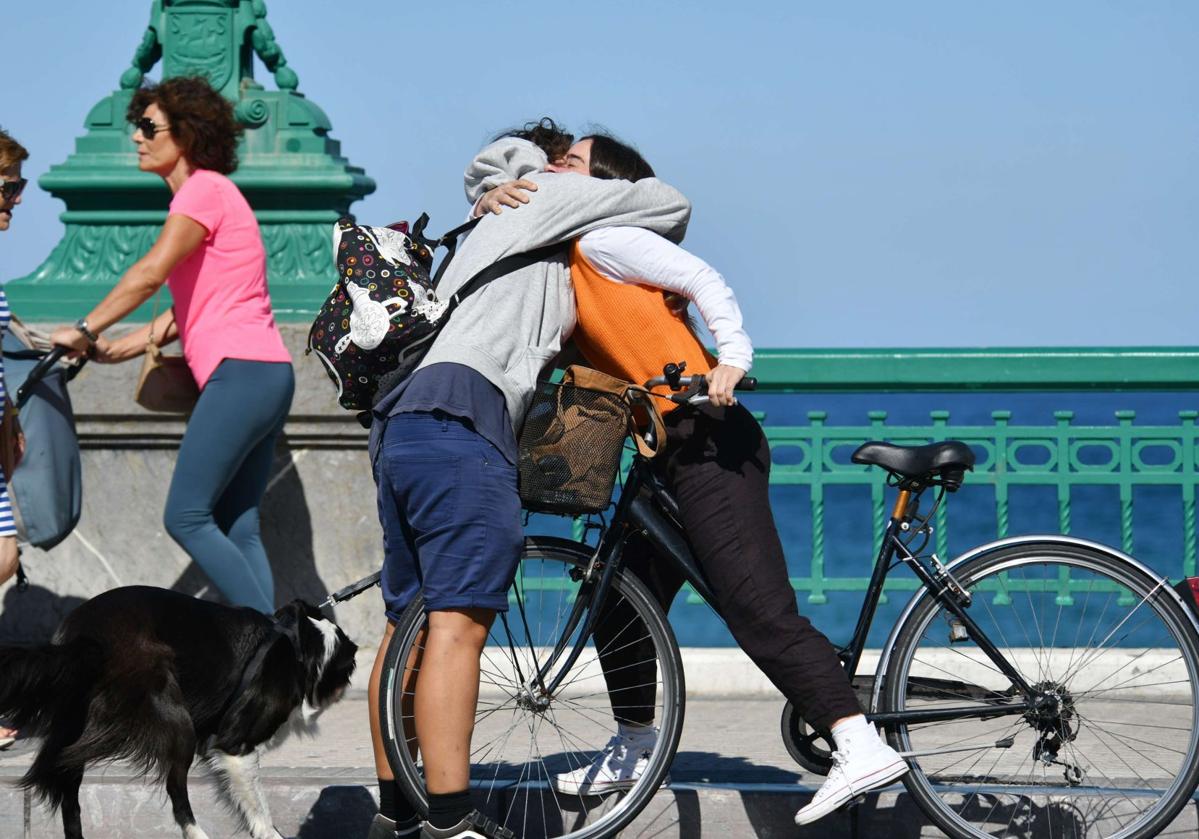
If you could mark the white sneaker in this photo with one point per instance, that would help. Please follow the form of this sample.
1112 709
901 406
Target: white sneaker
618 767
869 766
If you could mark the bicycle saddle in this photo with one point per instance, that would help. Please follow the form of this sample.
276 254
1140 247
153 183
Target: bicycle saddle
947 461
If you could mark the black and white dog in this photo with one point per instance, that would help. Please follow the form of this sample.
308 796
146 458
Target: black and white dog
156 678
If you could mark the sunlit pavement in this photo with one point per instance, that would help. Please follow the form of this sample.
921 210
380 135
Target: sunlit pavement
731 777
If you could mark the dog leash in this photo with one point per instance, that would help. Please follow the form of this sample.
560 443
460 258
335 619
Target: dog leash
352 590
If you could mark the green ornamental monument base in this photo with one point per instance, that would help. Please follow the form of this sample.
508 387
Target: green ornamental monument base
291 172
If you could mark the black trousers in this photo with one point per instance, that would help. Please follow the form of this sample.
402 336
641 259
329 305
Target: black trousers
717 462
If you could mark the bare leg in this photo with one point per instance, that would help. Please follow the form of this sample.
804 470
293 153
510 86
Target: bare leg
9 557
447 694
407 687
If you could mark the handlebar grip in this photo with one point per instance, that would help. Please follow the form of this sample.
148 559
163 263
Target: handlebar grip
747 383
39 372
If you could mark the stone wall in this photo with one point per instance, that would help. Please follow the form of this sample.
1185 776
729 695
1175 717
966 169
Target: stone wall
319 520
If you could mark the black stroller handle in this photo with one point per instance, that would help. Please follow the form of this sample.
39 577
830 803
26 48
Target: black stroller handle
40 371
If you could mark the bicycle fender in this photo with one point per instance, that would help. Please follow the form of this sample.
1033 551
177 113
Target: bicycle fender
884 661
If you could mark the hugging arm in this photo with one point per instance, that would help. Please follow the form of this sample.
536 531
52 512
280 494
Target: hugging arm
565 207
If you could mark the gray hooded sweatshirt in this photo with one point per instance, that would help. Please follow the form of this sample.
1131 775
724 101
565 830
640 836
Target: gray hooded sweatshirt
513 327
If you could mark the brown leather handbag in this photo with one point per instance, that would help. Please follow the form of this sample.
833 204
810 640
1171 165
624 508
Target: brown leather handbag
166 383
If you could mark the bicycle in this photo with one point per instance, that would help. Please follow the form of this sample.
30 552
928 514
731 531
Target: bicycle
987 725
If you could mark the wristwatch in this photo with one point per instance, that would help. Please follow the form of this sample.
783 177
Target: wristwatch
81 325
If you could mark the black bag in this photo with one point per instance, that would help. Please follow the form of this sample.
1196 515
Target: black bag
384 313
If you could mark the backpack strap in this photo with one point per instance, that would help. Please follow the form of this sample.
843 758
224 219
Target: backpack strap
499 268
450 242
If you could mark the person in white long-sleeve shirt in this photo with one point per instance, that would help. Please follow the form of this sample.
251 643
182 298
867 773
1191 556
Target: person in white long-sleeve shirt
630 290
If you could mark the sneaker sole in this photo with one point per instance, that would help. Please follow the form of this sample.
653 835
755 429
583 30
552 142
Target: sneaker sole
876 779
595 789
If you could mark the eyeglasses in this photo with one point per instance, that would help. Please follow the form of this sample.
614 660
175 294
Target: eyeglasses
9 190
148 128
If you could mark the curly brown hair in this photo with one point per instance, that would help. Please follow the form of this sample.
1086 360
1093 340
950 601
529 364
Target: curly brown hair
549 136
11 152
201 120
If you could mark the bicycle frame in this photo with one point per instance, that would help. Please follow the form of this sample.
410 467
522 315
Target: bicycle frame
640 509
941 585
635 511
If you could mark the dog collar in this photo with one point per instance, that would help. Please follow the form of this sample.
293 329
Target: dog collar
255 664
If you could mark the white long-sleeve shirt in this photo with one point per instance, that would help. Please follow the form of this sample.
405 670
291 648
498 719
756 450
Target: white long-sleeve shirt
638 256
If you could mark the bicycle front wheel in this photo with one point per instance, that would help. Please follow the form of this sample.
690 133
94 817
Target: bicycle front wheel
526 738
1112 752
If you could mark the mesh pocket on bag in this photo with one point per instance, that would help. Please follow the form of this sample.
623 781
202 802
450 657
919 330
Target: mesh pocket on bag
570 449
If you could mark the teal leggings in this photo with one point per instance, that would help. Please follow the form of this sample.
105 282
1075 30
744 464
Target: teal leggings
221 475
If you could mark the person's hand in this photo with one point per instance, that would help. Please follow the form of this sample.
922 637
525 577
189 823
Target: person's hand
511 194
72 339
9 557
721 381
103 353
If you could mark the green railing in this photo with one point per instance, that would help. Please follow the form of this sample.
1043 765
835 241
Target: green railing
1063 456
1060 455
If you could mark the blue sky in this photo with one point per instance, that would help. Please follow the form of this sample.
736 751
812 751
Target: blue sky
865 174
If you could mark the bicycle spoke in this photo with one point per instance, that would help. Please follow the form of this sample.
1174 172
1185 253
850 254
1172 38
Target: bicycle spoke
1128 744
525 739
1087 662
1127 664
1120 654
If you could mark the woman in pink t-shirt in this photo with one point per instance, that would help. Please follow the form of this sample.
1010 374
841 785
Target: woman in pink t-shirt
210 254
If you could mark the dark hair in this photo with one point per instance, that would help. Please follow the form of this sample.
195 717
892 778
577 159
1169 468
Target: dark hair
613 160
201 120
546 134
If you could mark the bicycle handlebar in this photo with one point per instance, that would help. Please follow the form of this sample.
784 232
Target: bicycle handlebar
694 389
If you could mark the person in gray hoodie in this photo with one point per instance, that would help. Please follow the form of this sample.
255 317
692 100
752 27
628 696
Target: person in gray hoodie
443 448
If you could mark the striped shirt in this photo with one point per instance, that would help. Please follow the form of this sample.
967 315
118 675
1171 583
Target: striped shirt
8 527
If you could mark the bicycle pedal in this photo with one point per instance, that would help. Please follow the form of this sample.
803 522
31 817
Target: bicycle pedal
854 802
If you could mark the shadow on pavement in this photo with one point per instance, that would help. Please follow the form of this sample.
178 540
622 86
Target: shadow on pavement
339 812
30 617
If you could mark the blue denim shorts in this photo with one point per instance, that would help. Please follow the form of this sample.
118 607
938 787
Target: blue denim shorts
450 514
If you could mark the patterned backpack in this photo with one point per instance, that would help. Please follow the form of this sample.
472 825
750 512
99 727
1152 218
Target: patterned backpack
383 315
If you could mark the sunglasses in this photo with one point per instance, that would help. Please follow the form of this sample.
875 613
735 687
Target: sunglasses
9 190
148 128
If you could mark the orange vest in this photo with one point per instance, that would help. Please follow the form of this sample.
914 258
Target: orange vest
628 330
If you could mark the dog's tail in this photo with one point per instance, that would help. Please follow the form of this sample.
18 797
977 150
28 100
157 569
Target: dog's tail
44 692
38 684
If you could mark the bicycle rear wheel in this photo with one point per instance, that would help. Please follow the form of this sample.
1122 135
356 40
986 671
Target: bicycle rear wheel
523 739
1114 755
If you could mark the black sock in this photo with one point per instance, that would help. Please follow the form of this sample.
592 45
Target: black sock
394 805
389 791
448 809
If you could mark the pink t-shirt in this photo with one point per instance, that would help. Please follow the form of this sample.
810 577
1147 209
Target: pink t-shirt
222 306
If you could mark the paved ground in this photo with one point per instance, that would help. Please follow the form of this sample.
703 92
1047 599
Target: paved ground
732 777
